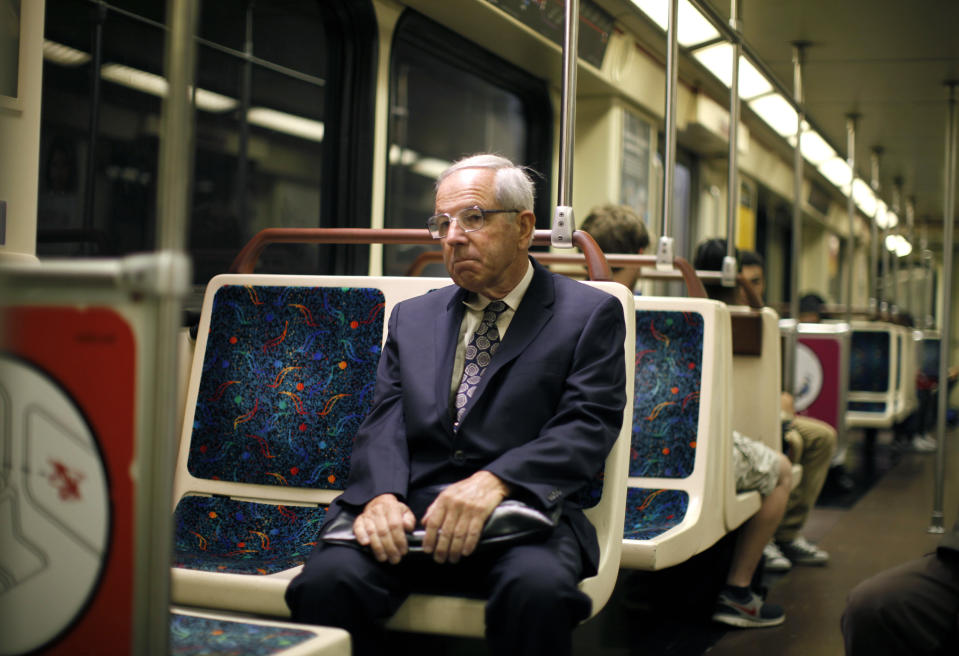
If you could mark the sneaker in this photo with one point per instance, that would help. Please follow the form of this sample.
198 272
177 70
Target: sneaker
802 552
751 613
924 444
775 560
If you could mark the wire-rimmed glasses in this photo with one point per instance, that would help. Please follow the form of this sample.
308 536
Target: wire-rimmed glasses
469 220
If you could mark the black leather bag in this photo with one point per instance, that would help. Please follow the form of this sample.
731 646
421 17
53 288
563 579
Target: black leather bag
511 522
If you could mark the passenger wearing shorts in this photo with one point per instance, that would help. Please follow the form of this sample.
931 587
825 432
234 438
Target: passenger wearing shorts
756 467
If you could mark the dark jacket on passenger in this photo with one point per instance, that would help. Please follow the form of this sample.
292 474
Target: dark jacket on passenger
543 419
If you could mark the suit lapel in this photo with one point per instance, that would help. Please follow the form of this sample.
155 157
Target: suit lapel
534 312
446 330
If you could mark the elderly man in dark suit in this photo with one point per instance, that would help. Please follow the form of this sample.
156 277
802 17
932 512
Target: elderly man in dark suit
509 384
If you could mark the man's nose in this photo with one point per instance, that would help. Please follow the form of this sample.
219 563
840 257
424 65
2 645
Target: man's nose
455 232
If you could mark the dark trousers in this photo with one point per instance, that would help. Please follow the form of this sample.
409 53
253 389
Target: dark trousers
910 609
533 599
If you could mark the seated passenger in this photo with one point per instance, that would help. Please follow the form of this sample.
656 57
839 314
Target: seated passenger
810 443
618 229
510 383
910 609
757 467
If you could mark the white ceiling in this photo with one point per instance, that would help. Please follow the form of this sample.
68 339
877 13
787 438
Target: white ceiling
886 60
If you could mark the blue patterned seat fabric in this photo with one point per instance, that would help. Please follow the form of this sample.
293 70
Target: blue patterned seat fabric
219 534
869 361
669 353
652 512
288 375
867 406
196 636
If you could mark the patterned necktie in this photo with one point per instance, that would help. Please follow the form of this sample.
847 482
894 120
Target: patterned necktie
478 354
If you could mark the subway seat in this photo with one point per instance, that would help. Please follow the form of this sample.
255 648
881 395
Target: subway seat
203 632
875 375
757 390
282 375
680 470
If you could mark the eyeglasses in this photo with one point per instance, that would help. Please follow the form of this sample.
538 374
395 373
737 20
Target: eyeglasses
470 220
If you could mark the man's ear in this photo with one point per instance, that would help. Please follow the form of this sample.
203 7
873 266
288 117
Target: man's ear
527 224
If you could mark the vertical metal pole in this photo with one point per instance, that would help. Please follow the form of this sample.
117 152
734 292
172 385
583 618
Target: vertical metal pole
851 209
93 129
664 253
243 147
563 219
897 209
913 291
792 337
884 289
874 237
945 343
732 193
173 204
929 321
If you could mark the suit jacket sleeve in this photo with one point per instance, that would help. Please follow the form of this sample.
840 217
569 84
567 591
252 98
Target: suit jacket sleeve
572 445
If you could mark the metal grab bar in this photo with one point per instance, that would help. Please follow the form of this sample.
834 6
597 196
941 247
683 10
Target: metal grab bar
246 259
694 286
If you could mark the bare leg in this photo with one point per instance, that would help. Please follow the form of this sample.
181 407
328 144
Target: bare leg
760 529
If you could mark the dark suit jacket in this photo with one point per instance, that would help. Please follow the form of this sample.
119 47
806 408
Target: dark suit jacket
543 419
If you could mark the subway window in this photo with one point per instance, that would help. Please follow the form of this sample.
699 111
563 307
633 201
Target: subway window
265 77
448 99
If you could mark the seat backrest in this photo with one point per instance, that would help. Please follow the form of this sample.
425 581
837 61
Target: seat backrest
757 384
873 370
282 376
681 442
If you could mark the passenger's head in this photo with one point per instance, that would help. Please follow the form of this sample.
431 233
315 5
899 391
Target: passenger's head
484 216
618 229
752 267
709 257
810 308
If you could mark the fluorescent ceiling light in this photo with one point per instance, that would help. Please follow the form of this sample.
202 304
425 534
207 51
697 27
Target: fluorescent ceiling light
297 126
135 79
156 85
903 248
693 26
63 55
837 171
898 245
431 167
885 218
864 197
718 58
210 101
405 156
777 113
814 148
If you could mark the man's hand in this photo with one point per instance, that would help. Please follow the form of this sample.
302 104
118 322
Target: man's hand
383 526
456 517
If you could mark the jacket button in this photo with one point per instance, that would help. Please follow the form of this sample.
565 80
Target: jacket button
459 457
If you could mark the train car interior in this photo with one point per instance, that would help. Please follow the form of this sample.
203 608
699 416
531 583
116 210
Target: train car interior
209 211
